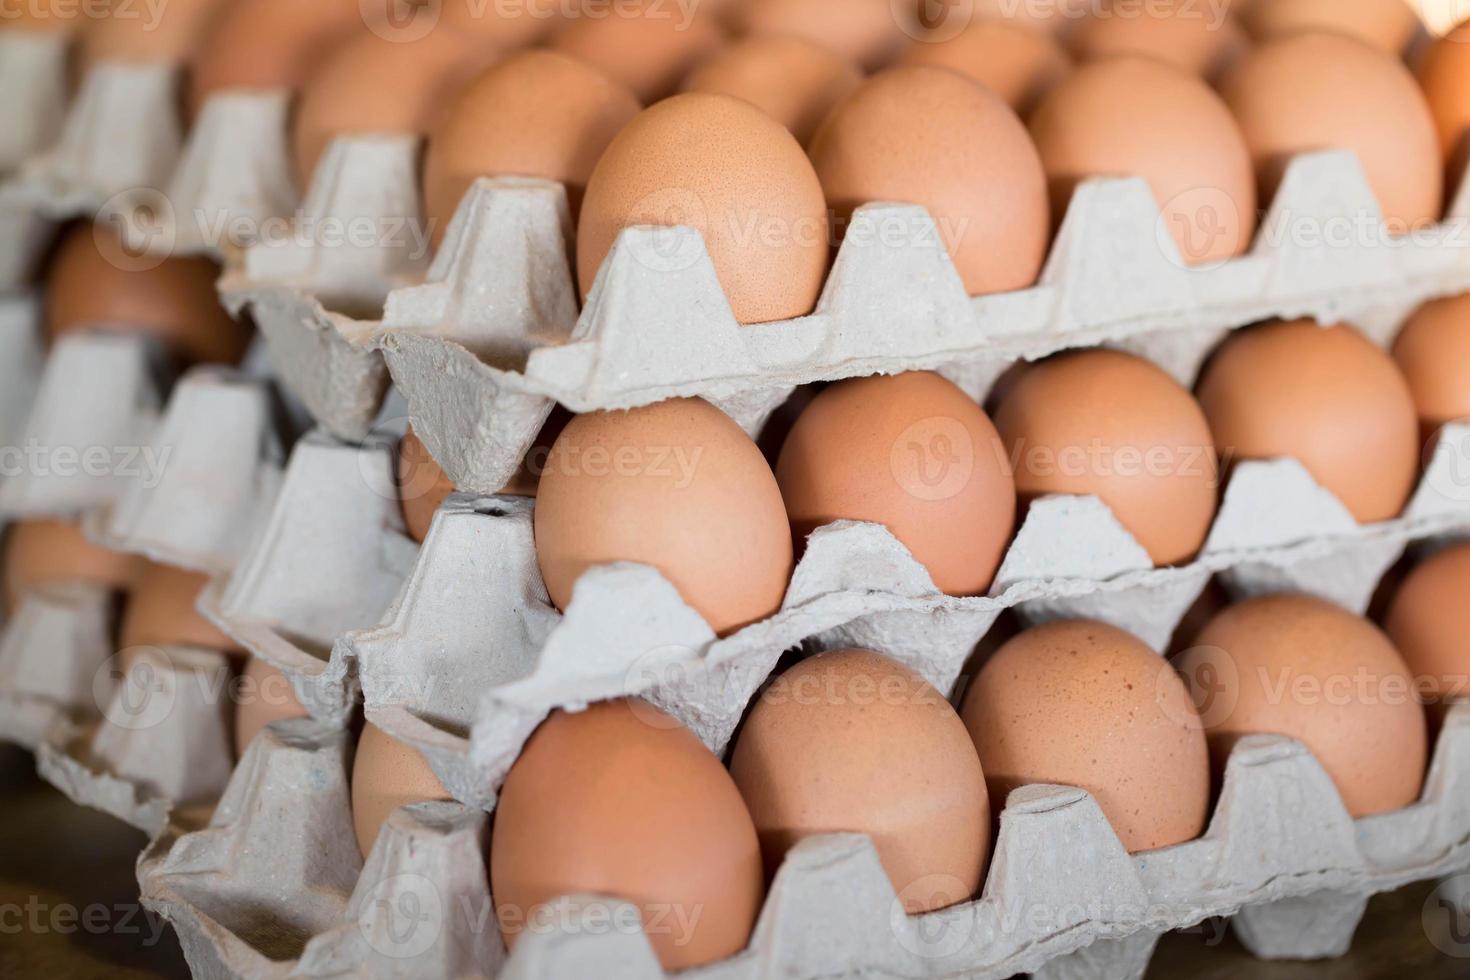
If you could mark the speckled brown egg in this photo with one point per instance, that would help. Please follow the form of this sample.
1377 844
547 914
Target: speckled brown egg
622 801
49 552
91 283
265 695
864 31
573 109
937 138
911 452
1429 623
1309 92
1433 351
1326 397
387 774
722 166
649 53
812 746
1085 704
1200 38
422 485
162 610
1108 424
1444 76
139 33
793 81
678 486
1016 62
1391 25
1135 117
1301 667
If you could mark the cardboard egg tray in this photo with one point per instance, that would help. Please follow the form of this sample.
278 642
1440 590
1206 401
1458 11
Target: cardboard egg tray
33 74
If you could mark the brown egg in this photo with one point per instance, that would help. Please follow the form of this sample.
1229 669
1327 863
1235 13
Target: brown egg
911 452
1136 117
793 81
1326 397
573 110
1085 704
387 774
1388 24
166 33
267 44
1429 622
372 84
1056 17
92 283
1200 38
49 552
265 695
1444 75
812 746
422 485
649 53
677 486
1016 62
1297 666
1433 351
622 801
724 167
933 137
864 31
1109 424
1325 91
162 610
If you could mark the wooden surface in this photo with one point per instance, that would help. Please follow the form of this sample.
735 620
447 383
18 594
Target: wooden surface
58 859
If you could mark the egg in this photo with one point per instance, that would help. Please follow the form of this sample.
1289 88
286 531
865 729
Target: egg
677 486
535 114
1084 704
821 734
1016 62
1310 92
1135 117
1200 38
1433 351
49 552
622 801
1112 425
162 610
1391 25
265 695
373 84
936 138
422 485
911 452
91 283
506 25
793 81
725 168
1326 397
140 33
387 774
649 52
268 44
1444 76
864 31
1297 666
1429 624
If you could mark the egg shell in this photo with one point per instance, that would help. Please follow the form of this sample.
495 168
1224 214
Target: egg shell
1444 76
1113 425
649 53
372 84
535 114
422 485
265 695
817 738
677 486
1433 351
1136 117
793 81
1429 623
722 166
1326 397
1298 666
863 31
1310 92
50 552
162 33
934 137
92 283
914 453
1200 38
387 774
622 801
1391 25
1080 703
162 610
1016 62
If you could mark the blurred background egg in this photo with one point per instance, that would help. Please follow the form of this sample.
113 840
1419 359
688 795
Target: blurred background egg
1131 116
1433 351
387 774
649 53
166 33
1326 397
678 486
720 165
1115 426
265 695
1391 25
45 552
1084 704
621 800
1018 63
851 741
1444 75
162 610
1429 623
911 452
864 31
933 137
1297 666
422 485
793 81
1200 38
